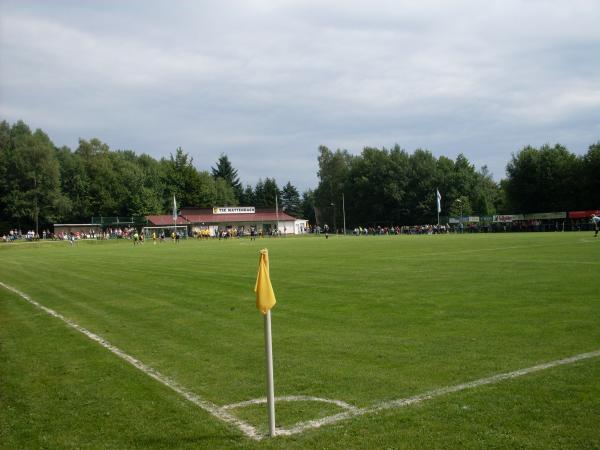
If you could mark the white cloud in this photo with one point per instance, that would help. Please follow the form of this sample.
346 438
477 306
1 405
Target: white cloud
261 78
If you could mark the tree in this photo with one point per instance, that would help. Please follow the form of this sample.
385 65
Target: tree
32 193
226 171
101 188
544 179
259 193
459 180
225 194
389 187
376 187
140 192
4 157
265 193
192 188
590 178
153 189
308 206
422 187
333 173
461 206
177 172
74 184
290 200
248 197
487 193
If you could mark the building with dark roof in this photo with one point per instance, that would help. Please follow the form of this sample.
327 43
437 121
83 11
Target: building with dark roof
239 218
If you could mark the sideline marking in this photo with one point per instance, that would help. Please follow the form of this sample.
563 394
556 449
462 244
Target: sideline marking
402 402
222 412
207 406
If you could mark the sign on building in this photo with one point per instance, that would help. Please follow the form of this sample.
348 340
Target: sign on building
508 217
234 210
550 215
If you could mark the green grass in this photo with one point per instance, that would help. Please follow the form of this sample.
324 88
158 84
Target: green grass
361 320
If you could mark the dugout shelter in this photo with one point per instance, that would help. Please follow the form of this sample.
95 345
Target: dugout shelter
68 228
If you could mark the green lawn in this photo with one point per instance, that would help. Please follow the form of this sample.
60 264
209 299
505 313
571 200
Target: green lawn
358 319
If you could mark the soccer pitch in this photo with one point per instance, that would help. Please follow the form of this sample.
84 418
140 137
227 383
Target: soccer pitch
378 342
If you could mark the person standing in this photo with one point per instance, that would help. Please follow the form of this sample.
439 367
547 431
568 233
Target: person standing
596 222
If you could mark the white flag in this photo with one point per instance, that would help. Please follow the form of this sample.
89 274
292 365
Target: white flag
439 200
174 210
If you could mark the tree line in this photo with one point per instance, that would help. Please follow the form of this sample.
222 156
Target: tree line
41 184
391 186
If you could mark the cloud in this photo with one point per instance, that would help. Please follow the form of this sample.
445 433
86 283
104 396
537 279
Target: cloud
268 82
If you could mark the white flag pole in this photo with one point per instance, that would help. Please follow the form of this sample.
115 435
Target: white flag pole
344 211
174 215
438 198
277 213
270 383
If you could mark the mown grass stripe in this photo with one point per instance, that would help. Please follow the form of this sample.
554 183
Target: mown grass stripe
400 403
209 407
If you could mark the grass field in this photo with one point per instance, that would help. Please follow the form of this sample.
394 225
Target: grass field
361 320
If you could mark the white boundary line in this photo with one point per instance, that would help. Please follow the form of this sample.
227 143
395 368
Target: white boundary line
399 403
292 398
222 412
207 406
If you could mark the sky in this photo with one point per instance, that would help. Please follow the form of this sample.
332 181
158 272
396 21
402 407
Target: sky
268 82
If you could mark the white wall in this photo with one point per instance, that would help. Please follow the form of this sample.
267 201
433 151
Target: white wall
286 227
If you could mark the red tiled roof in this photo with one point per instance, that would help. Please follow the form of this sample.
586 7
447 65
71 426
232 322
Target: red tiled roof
229 218
208 217
166 220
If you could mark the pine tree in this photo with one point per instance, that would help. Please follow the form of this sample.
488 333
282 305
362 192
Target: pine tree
226 171
290 200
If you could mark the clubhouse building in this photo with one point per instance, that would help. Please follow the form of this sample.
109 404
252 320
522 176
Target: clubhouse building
240 219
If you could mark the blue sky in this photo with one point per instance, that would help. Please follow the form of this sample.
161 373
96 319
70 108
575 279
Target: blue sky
267 82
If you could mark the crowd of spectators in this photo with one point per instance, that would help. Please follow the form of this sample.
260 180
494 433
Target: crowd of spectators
396 230
378 230
387 230
470 227
17 234
109 233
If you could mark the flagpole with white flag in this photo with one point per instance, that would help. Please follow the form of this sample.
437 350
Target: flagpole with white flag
174 215
265 300
439 204
277 213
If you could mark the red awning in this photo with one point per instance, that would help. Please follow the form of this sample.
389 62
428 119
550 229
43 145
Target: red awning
583 214
233 218
166 220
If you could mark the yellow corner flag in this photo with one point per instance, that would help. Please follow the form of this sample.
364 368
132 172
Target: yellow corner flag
265 297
